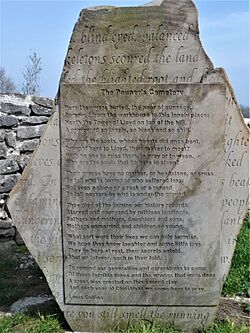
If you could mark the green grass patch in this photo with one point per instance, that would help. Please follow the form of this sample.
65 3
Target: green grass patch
238 282
220 327
247 307
20 323
8 323
21 249
226 327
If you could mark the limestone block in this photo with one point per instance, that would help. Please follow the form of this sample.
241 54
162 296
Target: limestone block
43 101
2 135
28 145
15 109
29 132
3 214
40 110
23 159
7 233
34 120
5 224
3 150
8 182
43 304
11 139
8 166
8 121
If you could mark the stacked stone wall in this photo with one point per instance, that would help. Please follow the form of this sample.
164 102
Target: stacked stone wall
22 119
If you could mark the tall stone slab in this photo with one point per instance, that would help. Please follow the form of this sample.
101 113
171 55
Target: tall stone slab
235 202
133 199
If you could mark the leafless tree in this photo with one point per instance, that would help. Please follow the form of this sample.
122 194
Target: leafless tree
31 75
6 84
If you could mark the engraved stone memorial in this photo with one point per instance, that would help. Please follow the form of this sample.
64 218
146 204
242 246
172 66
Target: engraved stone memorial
132 201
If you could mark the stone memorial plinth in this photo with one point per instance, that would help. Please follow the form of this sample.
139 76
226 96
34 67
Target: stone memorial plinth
133 199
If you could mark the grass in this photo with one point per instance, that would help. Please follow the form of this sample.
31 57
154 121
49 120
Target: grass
221 327
226 327
247 307
21 323
238 282
21 249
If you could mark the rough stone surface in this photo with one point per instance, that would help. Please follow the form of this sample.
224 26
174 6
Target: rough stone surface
8 166
32 305
2 135
11 139
28 145
7 233
6 246
34 120
18 239
10 146
3 150
26 132
41 111
45 102
3 214
5 224
145 170
8 182
14 109
23 160
8 121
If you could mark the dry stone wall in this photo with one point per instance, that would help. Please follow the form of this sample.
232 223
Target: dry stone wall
22 119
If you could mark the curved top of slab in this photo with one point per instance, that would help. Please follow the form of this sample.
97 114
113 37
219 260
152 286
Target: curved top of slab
158 41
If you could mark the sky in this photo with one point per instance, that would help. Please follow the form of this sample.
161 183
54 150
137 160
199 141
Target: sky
45 26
